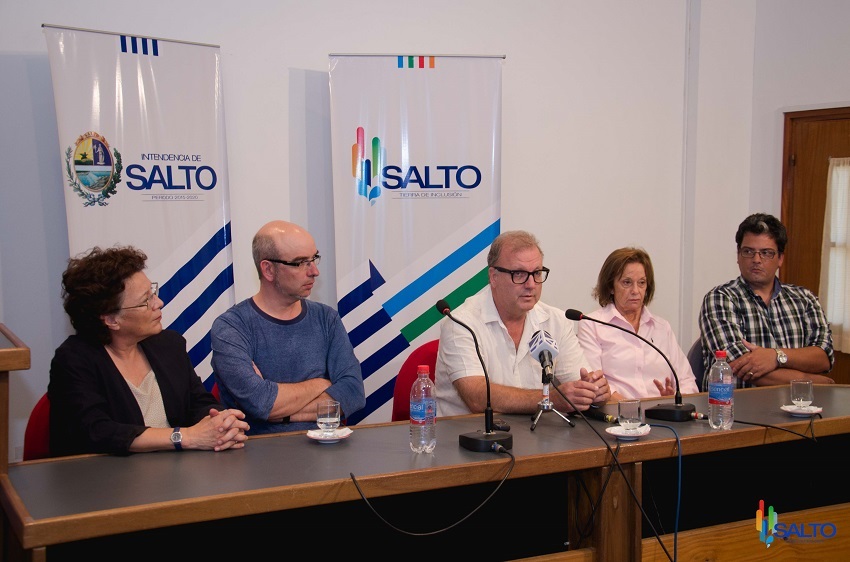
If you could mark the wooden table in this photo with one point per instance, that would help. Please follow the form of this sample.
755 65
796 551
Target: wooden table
61 500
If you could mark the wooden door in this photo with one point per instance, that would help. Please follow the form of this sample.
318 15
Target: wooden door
811 139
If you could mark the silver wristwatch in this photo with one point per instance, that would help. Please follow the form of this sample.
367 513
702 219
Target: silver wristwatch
781 357
177 439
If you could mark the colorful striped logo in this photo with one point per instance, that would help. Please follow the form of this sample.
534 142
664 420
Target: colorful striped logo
412 61
365 169
766 523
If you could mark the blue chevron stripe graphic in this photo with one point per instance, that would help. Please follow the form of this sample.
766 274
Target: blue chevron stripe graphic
372 364
371 326
194 311
419 286
395 304
374 401
387 353
361 293
442 270
200 351
187 273
184 276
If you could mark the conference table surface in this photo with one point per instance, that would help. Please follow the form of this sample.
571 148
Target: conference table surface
60 500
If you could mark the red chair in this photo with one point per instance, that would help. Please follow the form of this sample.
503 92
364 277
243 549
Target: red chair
425 354
37 432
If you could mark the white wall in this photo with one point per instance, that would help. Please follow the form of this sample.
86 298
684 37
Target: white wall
722 136
649 123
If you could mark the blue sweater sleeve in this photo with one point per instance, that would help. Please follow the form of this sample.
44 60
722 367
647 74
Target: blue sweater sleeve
344 368
236 338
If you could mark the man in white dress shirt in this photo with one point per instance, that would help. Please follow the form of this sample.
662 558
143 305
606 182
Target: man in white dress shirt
505 316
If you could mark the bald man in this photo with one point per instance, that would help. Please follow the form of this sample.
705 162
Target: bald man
277 354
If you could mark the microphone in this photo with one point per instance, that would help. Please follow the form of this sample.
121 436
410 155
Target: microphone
491 439
597 414
668 412
545 348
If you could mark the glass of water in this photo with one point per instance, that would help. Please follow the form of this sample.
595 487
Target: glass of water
802 393
629 415
327 417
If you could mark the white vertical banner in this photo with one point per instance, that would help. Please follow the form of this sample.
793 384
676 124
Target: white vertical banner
144 159
416 172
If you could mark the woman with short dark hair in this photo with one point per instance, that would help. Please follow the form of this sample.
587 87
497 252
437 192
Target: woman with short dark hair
122 384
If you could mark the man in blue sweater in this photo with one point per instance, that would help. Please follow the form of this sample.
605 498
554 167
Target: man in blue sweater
277 354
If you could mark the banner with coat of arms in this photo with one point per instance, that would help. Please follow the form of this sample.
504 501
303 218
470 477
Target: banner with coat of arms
143 154
416 143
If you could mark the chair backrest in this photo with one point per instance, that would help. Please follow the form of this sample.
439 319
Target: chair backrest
37 432
695 359
425 354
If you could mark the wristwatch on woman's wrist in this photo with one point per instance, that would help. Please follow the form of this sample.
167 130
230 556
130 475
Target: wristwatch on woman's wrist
781 357
177 439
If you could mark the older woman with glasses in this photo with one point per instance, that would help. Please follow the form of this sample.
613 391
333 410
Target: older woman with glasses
624 289
122 384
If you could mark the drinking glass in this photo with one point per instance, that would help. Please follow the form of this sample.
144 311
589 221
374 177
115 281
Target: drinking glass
629 415
327 417
801 393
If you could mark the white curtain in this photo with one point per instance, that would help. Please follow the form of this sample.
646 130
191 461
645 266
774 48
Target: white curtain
835 260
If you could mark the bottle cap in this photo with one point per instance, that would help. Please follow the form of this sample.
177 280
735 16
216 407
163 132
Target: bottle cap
720 354
423 369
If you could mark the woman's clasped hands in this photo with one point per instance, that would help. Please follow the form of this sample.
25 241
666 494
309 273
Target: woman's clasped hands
220 430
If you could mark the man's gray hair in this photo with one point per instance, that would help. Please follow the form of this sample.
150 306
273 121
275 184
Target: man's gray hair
513 239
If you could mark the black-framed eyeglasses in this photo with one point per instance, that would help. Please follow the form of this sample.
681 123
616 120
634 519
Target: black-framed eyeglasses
300 263
518 276
766 254
148 301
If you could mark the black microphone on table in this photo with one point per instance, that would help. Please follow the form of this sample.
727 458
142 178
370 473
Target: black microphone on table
668 412
477 441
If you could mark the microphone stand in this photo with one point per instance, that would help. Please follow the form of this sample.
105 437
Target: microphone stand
477 441
546 405
677 411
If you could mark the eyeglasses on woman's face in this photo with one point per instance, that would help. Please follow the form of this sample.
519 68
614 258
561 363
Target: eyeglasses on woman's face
148 302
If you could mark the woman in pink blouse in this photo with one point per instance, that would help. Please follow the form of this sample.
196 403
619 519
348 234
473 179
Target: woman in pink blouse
624 289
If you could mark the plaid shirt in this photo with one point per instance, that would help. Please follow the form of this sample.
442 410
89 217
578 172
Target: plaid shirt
733 312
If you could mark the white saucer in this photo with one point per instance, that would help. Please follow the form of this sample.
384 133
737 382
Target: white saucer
339 433
805 412
621 434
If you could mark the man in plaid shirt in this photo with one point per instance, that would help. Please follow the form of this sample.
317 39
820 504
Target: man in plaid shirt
772 332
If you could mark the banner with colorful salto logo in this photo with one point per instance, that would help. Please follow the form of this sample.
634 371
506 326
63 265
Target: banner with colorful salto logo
416 143
144 162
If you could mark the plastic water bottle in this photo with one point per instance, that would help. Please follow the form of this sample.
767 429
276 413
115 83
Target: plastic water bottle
721 398
423 412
